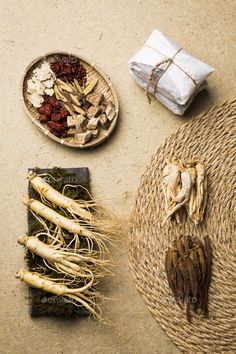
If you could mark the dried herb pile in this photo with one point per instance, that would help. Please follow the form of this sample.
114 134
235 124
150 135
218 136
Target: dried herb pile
188 266
68 102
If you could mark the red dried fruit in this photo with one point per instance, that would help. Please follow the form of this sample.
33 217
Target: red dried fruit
68 68
55 117
45 109
63 112
54 132
55 67
43 118
63 134
58 127
65 124
53 101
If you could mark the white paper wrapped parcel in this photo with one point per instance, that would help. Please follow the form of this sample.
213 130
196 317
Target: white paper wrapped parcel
178 81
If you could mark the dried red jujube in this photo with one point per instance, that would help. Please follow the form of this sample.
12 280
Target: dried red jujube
69 68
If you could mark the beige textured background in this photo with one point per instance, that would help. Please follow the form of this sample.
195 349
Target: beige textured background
108 33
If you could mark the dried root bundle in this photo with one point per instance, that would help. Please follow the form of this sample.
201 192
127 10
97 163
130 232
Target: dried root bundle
70 250
188 268
185 186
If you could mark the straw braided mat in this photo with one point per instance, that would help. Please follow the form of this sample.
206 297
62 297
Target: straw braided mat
212 137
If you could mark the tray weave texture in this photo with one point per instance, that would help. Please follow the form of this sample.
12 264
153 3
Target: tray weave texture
212 138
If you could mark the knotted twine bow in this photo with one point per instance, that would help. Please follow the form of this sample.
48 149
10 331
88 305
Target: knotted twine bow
169 61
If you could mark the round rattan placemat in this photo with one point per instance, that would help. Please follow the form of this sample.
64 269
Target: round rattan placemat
212 138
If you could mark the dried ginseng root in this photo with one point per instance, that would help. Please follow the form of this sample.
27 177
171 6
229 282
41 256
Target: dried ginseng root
185 186
67 249
188 267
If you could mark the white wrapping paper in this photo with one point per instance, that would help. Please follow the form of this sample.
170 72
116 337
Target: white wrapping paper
178 80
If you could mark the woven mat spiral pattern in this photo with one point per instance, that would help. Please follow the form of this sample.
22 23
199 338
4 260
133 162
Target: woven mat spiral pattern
212 138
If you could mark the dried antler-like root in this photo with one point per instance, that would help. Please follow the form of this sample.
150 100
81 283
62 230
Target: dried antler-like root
184 185
188 268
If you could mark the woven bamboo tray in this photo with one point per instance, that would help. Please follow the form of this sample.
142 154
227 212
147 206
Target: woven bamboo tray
104 86
212 137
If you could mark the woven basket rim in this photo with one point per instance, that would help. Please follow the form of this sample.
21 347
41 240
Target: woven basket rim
95 142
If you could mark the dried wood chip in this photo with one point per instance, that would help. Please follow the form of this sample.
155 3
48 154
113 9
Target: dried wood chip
95 98
89 88
110 111
77 85
83 138
75 120
95 133
109 108
65 86
93 111
49 91
75 99
111 115
72 132
78 109
59 95
93 123
103 121
48 83
103 108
